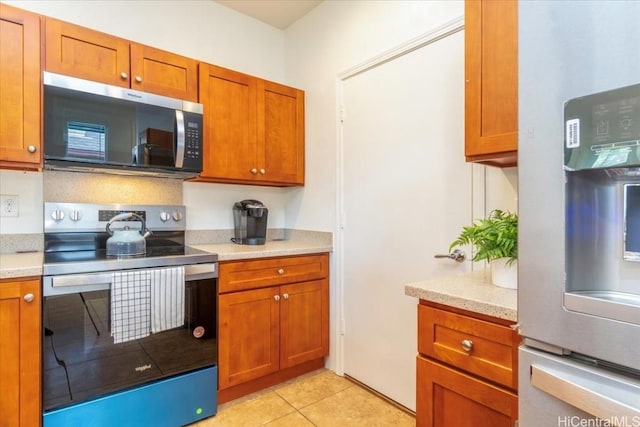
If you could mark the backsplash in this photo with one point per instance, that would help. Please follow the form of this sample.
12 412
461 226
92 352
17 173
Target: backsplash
74 187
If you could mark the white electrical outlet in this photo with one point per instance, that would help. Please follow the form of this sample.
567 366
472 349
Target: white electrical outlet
8 205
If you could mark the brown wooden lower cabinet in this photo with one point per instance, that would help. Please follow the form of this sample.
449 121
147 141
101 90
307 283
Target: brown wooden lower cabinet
467 368
20 331
447 397
272 333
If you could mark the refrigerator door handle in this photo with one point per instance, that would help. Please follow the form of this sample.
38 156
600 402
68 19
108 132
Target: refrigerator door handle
600 396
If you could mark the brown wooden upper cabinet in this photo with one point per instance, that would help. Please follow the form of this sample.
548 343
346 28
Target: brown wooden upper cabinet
255 129
491 90
19 89
84 53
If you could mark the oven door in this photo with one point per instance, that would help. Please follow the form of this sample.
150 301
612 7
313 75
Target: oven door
83 356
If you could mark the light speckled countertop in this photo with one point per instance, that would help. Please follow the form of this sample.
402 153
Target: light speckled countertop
20 265
468 291
30 264
231 251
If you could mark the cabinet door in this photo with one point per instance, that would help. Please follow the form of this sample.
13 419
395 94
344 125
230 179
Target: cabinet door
491 72
163 73
304 322
80 52
248 335
19 88
20 332
229 100
448 398
280 133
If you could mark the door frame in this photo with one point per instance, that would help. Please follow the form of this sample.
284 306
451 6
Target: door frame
423 40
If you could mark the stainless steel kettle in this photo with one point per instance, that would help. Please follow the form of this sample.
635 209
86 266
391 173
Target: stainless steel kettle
127 241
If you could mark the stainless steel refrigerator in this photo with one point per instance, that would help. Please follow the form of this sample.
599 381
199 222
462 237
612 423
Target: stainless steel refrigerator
579 210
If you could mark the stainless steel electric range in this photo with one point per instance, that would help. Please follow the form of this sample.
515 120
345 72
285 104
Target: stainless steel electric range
128 338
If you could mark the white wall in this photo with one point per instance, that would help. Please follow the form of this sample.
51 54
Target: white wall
28 187
310 54
203 30
331 39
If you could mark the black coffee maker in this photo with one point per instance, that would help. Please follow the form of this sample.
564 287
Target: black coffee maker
250 220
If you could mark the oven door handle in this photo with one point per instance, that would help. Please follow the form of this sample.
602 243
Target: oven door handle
82 280
75 283
595 394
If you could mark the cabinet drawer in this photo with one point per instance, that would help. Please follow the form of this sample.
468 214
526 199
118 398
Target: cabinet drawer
476 346
242 275
447 397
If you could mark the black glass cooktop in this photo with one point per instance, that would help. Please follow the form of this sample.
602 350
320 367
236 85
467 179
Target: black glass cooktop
85 261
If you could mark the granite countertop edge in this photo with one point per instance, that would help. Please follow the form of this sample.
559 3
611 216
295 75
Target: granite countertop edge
232 251
17 265
21 265
468 291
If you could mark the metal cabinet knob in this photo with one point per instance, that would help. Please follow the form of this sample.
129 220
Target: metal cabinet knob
138 79
456 255
285 296
31 148
28 297
276 297
467 345
254 171
262 171
124 75
281 271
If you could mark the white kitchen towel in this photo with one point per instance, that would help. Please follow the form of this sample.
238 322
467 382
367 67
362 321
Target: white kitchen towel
130 305
167 298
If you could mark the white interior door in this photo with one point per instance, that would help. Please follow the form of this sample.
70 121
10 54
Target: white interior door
406 193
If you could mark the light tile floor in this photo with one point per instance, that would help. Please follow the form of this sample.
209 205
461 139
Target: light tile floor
320 399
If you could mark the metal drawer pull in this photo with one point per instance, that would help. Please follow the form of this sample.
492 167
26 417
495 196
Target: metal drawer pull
28 297
281 271
276 297
467 345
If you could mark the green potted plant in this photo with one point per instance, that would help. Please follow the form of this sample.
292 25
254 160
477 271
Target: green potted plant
495 240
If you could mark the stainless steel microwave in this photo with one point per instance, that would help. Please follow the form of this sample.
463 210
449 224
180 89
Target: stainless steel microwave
90 126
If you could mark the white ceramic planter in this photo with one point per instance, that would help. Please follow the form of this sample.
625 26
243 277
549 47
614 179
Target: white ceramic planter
504 275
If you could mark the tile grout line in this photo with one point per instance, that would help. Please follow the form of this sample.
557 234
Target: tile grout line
315 402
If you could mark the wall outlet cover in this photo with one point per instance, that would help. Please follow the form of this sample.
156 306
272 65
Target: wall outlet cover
8 205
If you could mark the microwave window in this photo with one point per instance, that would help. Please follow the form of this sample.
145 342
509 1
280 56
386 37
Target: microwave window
88 128
632 222
86 141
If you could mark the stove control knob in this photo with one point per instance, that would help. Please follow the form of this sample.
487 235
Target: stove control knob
165 216
177 216
75 215
57 215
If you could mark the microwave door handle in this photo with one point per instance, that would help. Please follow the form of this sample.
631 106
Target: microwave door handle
180 139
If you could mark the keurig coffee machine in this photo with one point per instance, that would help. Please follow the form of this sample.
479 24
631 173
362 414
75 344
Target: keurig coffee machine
250 220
